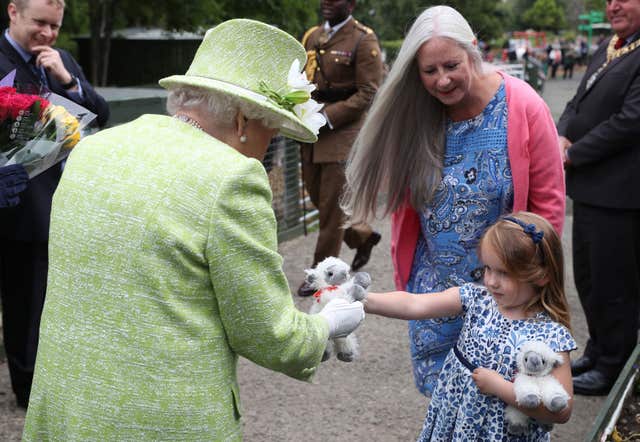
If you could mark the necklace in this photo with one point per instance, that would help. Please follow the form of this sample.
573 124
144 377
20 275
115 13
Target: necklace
188 120
612 54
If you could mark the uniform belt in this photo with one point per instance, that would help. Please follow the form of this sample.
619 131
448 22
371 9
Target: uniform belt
462 359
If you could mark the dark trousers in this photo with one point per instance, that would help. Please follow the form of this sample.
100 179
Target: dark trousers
606 265
23 283
324 183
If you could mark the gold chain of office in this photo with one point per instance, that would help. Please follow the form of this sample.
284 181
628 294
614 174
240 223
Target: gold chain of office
612 54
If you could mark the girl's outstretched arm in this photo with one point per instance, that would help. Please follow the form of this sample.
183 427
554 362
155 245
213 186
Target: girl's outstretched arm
403 305
490 382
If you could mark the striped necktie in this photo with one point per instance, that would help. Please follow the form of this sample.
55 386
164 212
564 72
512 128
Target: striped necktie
39 72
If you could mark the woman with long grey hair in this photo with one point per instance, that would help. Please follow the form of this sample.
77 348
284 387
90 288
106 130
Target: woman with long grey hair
449 145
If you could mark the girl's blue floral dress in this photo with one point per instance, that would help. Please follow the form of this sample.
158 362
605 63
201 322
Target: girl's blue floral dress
458 411
476 189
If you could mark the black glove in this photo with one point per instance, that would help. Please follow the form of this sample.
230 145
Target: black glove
13 180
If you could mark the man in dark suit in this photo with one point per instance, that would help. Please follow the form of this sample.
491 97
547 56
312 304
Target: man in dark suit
600 140
27 47
345 64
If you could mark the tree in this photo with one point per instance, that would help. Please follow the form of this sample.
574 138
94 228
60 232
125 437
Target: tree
544 15
193 15
391 19
482 15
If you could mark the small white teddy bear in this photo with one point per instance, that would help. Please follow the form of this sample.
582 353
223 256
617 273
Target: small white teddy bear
330 278
534 384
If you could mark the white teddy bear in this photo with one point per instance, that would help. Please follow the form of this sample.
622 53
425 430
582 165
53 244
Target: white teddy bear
534 384
331 280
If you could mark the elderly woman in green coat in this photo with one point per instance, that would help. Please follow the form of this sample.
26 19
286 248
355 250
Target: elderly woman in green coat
163 256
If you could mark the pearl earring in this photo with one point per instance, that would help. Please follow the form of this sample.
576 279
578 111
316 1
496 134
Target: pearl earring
243 138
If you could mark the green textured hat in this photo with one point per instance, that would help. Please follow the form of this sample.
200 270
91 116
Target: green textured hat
257 63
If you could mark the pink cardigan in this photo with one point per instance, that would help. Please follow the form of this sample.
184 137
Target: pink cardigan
536 167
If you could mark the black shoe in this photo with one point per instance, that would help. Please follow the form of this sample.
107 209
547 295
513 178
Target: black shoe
582 364
592 383
305 290
364 252
22 402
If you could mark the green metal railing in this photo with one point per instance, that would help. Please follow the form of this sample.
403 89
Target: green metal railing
610 411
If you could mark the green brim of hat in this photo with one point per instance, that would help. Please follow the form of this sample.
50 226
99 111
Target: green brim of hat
289 124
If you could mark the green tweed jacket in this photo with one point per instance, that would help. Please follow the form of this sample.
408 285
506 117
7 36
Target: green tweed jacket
163 269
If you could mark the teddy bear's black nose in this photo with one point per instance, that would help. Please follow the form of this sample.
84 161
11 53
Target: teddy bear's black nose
311 278
534 361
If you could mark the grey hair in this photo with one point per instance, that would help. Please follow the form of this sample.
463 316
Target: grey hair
222 107
401 145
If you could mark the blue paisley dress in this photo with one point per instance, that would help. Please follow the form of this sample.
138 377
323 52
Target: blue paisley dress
476 189
458 411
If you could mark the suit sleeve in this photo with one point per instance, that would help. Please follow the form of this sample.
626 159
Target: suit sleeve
91 99
368 78
546 174
618 132
568 113
256 308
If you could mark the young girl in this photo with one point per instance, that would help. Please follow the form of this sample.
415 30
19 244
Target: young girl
523 299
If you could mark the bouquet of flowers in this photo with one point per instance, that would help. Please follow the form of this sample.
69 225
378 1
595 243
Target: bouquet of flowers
38 131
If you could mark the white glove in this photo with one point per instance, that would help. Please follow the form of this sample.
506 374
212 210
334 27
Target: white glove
343 316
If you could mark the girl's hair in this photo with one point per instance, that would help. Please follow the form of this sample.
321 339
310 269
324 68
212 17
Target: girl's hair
220 106
540 263
401 144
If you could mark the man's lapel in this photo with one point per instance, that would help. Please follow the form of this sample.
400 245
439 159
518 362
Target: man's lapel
22 68
608 68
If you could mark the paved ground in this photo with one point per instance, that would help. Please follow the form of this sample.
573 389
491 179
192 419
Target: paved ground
372 399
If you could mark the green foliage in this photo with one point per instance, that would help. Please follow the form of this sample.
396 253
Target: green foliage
482 15
544 15
391 49
391 19
596 5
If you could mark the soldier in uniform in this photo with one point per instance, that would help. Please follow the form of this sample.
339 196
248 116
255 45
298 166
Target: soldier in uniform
345 64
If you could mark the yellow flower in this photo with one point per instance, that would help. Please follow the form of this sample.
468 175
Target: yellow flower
67 126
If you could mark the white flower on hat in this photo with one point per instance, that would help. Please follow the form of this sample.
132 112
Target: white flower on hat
298 99
297 80
309 114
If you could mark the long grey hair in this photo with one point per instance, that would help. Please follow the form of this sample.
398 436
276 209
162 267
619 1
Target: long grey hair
401 145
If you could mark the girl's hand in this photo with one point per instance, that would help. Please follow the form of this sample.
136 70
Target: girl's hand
488 381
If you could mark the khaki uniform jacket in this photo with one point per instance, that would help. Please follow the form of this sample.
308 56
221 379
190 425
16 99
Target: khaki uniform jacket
351 59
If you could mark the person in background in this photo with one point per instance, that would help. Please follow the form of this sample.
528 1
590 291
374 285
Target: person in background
345 64
27 47
555 59
450 145
568 61
164 262
599 138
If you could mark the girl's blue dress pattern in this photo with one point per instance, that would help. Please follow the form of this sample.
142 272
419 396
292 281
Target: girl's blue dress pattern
476 189
458 411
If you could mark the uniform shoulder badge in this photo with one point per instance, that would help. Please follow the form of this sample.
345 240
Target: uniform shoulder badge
308 34
363 28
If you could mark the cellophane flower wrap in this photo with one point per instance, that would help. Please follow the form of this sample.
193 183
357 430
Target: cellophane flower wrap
39 131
